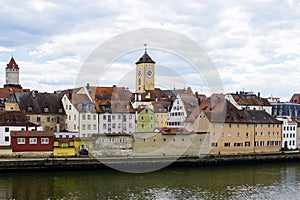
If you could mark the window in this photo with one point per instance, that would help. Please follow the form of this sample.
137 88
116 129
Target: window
104 126
227 144
6 129
130 116
247 144
83 117
247 134
46 109
48 119
214 144
262 143
89 127
94 126
247 125
142 117
6 138
21 140
89 117
32 140
122 140
83 126
238 144
111 140
60 110
104 117
70 107
222 134
229 125
29 108
109 118
130 125
113 125
238 134
229 134
45 140
38 119
94 117
28 118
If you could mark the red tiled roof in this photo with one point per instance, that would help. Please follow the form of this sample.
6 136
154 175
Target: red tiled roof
295 98
31 133
174 131
14 118
250 100
12 64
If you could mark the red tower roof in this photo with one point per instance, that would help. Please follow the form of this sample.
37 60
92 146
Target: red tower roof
12 64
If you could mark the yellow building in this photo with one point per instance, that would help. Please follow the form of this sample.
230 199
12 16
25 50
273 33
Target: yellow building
233 131
67 147
161 114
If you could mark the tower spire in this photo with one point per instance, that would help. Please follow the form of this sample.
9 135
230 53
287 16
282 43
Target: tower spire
145 45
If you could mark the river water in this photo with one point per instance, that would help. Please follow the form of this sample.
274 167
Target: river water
265 181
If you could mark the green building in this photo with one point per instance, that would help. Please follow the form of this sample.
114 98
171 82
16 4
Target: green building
146 120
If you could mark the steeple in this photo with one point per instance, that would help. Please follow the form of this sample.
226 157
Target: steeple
12 64
12 74
145 73
145 58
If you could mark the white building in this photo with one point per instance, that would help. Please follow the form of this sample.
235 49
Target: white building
81 114
249 101
116 114
289 132
14 121
181 109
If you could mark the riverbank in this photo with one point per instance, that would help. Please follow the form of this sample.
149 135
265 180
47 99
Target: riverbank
140 164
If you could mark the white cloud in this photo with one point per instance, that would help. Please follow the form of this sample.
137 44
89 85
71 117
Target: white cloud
252 43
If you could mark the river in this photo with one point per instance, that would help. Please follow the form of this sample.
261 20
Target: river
265 181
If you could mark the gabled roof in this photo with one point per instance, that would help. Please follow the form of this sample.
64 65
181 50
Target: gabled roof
227 112
12 64
14 118
295 98
246 99
82 103
39 103
145 59
189 102
116 99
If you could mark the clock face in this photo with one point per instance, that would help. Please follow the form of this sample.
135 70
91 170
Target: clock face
139 73
149 72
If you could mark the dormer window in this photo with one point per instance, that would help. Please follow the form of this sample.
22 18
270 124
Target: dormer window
29 108
118 106
80 106
60 110
46 109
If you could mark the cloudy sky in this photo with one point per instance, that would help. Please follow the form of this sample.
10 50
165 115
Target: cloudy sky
254 45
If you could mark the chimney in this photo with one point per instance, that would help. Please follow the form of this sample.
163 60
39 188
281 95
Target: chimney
87 86
258 94
33 93
70 95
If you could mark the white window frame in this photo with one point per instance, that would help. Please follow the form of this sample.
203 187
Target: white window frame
21 140
32 140
44 140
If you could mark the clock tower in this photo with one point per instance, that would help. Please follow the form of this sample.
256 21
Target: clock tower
145 73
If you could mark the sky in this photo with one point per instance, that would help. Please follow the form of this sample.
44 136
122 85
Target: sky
254 45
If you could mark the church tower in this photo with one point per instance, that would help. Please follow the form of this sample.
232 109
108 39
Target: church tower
145 73
12 74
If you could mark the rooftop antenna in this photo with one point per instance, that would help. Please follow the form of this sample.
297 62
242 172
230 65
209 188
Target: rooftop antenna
145 45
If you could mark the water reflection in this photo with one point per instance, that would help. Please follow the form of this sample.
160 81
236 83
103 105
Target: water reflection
268 181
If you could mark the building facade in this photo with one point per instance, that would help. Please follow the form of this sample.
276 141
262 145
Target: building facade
12 74
289 132
181 109
234 131
145 120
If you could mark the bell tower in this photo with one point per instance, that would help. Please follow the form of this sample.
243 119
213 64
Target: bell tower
12 74
145 73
